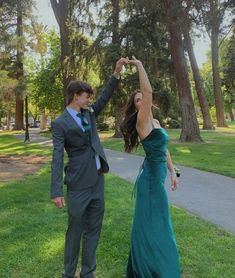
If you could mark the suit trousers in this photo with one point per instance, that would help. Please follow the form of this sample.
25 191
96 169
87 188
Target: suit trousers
85 216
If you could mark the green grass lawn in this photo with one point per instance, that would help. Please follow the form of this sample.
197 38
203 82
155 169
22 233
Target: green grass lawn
215 155
32 234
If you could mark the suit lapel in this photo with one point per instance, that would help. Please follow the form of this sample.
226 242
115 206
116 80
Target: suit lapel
71 122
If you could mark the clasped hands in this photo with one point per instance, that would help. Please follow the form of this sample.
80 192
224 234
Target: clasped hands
124 61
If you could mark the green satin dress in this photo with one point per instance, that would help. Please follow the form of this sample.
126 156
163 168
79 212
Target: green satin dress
153 252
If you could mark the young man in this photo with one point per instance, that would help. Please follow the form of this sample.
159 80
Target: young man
75 131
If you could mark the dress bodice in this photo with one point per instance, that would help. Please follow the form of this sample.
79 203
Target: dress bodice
155 144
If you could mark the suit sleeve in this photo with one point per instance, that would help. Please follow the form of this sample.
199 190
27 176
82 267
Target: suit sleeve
57 161
103 99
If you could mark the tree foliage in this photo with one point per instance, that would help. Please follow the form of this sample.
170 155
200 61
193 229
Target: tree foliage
45 82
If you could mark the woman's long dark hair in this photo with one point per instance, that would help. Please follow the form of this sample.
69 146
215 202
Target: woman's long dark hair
128 126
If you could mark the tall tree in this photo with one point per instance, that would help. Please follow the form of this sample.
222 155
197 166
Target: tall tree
38 42
116 44
19 108
107 49
212 14
63 17
13 17
45 84
190 130
215 21
227 54
185 27
69 16
7 95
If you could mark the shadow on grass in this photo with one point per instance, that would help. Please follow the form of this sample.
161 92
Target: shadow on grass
11 147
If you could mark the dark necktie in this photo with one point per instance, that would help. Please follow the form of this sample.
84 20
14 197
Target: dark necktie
85 124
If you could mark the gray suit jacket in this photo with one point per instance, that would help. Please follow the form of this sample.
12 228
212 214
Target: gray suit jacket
81 171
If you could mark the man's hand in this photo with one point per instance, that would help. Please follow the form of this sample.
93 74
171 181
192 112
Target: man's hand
118 67
58 201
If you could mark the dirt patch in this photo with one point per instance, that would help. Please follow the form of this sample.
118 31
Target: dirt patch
15 167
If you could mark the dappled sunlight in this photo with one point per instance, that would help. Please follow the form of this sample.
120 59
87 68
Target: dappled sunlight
12 146
10 132
52 247
230 130
216 153
227 132
184 150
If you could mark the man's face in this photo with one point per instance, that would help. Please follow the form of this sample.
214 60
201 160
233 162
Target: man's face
82 100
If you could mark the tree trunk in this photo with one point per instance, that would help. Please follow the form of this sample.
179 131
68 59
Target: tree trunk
19 107
19 112
219 105
119 115
155 67
43 120
116 99
231 114
207 122
61 11
115 17
190 130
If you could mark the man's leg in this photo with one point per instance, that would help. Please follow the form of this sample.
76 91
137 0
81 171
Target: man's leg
77 203
92 228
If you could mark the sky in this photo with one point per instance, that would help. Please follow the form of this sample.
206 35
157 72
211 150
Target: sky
46 16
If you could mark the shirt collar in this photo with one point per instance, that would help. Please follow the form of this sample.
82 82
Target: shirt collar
72 111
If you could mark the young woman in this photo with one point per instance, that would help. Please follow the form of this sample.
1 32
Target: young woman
153 252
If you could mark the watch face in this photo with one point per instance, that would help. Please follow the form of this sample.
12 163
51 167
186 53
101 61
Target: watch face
177 171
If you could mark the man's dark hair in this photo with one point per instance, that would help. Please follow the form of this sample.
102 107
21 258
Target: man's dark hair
77 87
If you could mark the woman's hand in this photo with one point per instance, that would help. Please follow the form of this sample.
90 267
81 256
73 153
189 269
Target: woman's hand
174 182
135 61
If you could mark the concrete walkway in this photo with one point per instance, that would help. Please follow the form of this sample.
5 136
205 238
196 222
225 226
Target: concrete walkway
210 196
35 137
